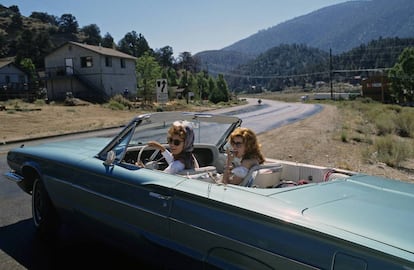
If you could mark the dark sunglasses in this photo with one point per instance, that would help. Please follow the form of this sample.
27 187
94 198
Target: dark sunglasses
175 142
237 144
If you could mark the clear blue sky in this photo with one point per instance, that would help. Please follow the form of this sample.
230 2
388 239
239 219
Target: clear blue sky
185 25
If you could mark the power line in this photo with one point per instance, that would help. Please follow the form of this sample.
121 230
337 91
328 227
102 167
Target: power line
360 70
275 76
269 76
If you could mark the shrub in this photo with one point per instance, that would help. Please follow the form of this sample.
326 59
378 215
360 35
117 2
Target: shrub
118 102
371 111
392 150
385 123
395 108
367 100
115 105
344 136
40 102
405 123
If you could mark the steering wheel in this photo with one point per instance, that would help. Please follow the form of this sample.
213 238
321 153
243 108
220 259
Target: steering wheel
151 158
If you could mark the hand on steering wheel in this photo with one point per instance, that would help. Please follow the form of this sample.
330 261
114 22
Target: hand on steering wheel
151 158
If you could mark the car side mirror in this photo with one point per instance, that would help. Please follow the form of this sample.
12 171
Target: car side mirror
110 157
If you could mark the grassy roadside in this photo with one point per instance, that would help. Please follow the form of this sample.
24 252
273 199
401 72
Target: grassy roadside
385 132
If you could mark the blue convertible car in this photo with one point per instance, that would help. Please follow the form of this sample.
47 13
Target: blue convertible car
290 216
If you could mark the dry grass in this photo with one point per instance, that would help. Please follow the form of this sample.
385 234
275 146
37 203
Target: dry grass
30 120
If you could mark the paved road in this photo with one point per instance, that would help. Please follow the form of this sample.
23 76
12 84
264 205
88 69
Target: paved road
21 249
271 114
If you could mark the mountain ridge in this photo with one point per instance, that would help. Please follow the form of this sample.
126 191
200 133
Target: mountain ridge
350 24
337 28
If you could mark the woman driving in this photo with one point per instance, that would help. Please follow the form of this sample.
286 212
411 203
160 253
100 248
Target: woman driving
180 138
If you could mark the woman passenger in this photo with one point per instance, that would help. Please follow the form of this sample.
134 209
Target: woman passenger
246 148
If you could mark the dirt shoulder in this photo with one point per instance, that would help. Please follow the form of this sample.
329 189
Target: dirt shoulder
47 120
313 140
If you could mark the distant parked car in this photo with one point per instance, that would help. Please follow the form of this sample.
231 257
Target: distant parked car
291 216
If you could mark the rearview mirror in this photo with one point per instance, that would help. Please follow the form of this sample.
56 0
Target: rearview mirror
110 157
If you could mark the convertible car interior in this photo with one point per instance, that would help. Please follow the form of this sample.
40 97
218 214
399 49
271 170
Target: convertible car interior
206 155
132 151
271 174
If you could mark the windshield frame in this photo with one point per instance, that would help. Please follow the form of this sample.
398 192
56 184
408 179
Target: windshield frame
208 129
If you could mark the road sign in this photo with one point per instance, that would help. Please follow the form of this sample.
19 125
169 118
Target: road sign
162 90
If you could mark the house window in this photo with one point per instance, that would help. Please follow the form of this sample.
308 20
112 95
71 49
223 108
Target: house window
86 62
122 63
108 61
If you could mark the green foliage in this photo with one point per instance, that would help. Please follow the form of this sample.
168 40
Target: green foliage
148 71
93 34
222 88
172 76
4 50
202 85
344 137
215 95
284 66
16 21
402 77
15 9
134 44
108 41
40 102
30 68
276 68
118 102
34 46
44 17
375 54
187 62
68 23
404 123
192 85
165 56
114 105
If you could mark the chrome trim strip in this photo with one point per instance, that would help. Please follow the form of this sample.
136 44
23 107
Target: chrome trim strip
14 176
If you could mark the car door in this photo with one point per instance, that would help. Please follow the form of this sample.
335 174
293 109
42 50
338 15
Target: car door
204 225
127 199
208 222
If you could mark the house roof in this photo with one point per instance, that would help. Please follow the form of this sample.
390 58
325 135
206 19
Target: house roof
6 61
9 61
103 51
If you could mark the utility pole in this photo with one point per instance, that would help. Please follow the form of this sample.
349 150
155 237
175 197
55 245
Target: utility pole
330 72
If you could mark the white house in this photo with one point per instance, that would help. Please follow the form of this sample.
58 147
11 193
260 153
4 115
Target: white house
92 73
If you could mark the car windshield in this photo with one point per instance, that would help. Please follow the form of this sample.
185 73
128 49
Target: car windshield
208 129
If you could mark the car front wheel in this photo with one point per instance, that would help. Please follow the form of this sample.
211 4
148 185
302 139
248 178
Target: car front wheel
45 216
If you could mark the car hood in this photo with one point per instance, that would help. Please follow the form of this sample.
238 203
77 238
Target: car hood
364 207
83 147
